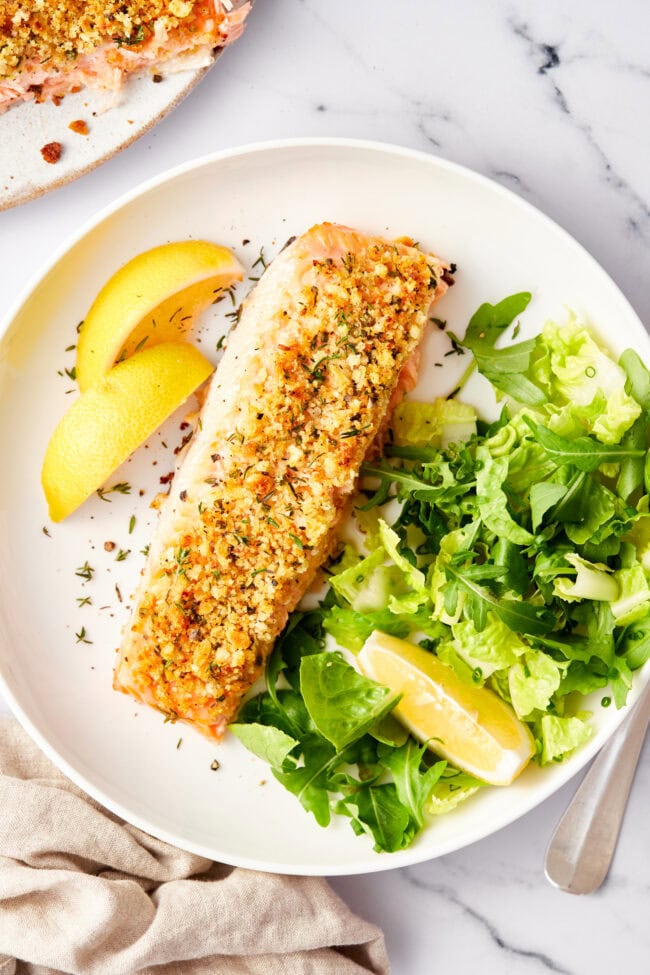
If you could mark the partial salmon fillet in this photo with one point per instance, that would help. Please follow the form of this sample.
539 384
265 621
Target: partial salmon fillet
51 49
326 341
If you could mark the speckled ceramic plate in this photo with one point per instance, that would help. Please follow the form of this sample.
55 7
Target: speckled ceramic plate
26 128
56 657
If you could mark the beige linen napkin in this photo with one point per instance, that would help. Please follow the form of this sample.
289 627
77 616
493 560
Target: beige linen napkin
83 892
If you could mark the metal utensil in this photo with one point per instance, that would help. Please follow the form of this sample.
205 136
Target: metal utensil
581 848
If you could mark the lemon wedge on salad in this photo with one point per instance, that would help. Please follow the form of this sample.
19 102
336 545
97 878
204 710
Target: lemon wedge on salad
112 418
469 726
154 298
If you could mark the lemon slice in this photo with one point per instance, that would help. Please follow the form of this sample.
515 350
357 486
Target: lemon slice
470 726
112 418
154 298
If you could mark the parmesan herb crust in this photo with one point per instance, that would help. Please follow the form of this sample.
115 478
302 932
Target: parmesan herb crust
56 32
257 529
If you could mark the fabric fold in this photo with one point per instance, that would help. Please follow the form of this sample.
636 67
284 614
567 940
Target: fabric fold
83 893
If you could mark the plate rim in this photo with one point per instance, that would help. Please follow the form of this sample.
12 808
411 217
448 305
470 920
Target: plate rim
414 855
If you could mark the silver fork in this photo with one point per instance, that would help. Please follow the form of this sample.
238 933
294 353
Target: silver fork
581 848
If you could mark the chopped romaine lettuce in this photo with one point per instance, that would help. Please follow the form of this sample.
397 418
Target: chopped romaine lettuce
633 598
561 735
434 424
574 372
493 648
592 581
533 680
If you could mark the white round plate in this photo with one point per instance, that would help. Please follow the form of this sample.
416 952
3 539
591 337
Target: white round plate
158 775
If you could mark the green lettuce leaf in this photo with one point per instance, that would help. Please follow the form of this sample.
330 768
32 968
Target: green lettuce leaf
377 810
414 784
494 648
573 369
533 680
492 501
452 788
351 629
561 735
633 598
342 703
413 577
434 424
270 744
592 581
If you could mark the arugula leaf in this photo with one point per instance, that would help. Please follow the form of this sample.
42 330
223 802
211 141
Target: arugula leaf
285 711
309 782
517 615
585 453
505 368
413 785
270 744
410 483
544 496
515 576
378 810
342 703
630 478
489 322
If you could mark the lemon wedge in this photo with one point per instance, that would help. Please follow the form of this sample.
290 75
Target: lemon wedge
112 418
470 726
154 298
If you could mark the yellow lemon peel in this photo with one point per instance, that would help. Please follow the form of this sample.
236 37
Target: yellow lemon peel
156 297
111 419
468 725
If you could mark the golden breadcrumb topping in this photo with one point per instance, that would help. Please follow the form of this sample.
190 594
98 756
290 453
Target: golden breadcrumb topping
257 530
57 32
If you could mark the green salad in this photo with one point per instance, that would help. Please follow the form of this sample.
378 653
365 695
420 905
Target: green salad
517 551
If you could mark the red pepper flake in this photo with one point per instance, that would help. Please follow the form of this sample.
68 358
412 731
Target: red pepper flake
51 152
79 126
186 439
157 78
167 478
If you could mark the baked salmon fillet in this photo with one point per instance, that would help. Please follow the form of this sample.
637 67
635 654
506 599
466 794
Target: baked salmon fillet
49 48
326 343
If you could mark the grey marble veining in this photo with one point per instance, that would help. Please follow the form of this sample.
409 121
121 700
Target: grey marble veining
553 101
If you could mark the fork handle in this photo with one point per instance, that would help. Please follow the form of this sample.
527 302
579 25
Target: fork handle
581 848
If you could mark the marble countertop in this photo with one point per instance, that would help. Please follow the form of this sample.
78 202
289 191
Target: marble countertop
552 100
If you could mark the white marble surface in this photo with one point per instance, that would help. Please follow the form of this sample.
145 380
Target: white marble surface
552 100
